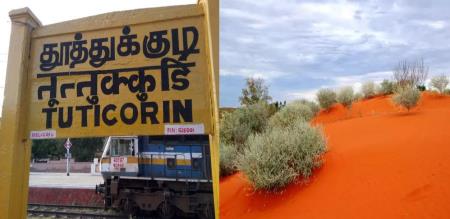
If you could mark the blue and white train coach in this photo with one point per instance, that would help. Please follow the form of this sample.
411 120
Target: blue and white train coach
169 175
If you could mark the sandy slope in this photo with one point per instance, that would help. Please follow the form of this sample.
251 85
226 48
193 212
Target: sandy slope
381 163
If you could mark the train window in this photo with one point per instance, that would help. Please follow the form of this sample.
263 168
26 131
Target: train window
171 163
196 163
122 147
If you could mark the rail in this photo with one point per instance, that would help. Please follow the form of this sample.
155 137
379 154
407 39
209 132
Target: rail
71 211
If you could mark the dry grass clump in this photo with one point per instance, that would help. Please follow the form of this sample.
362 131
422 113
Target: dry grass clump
290 113
312 105
345 96
326 98
228 154
368 89
236 126
406 96
440 83
278 156
386 87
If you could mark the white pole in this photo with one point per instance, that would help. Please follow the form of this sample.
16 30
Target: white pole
67 166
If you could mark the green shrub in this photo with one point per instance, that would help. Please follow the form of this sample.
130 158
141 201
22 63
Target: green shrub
345 96
368 89
277 157
386 87
406 96
326 98
236 126
357 96
440 83
228 155
289 114
312 105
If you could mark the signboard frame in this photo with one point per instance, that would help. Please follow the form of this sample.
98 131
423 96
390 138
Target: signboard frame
15 147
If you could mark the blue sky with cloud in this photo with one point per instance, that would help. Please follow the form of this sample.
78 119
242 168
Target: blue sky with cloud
300 46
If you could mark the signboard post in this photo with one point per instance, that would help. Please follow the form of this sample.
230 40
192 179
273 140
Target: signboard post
15 147
141 72
67 145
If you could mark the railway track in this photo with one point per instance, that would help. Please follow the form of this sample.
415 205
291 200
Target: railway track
69 211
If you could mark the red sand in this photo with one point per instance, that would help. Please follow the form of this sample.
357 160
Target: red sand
381 163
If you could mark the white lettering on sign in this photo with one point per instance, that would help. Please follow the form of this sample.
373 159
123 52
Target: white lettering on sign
192 129
118 162
43 134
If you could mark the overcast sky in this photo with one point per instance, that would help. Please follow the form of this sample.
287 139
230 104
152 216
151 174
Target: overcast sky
301 46
297 46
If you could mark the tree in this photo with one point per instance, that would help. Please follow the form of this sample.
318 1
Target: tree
440 83
255 91
410 73
48 148
84 149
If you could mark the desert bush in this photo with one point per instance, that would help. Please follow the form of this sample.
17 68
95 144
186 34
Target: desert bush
440 83
368 89
312 105
326 98
345 96
291 113
236 126
386 87
277 157
357 96
228 155
406 96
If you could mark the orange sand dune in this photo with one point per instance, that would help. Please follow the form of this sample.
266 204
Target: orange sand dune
382 163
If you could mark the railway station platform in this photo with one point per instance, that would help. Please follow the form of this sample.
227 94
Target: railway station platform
61 180
60 189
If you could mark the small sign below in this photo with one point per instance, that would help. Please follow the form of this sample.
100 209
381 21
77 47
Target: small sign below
45 134
68 144
188 129
118 162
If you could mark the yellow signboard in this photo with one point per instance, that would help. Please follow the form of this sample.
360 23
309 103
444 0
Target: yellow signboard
139 72
147 78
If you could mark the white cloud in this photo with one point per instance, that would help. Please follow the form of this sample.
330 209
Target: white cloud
347 80
437 24
245 72
303 94
336 11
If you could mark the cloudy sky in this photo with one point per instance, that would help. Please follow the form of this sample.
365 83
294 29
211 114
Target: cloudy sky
301 46
296 46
